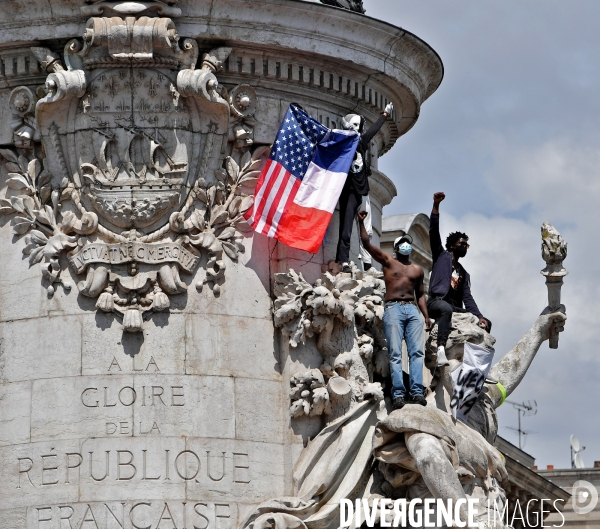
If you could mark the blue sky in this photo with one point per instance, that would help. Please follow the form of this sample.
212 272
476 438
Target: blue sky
513 137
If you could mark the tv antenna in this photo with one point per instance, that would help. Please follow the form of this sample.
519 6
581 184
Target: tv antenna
576 448
524 409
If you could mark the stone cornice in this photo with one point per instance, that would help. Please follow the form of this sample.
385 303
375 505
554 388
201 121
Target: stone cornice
381 188
533 483
388 63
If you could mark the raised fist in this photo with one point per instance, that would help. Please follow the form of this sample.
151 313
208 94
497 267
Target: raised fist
362 215
438 197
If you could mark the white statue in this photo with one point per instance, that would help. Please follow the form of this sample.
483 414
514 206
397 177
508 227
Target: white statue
413 452
429 453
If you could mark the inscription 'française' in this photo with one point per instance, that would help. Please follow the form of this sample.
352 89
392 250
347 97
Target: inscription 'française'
191 514
166 252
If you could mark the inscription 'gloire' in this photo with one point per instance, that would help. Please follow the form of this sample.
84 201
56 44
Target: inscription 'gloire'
105 397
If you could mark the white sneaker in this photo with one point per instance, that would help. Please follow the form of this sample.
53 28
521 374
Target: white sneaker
441 357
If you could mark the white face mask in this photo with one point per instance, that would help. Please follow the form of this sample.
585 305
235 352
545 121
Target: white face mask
355 123
404 249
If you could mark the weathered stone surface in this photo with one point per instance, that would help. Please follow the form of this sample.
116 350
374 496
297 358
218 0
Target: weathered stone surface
13 518
133 468
127 405
106 349
259 415
15 413
41 348
238 470
250 275
40 473
66 408
231 346
190 406
138 513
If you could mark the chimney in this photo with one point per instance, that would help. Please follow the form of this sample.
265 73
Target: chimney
596 464
550 467
534 467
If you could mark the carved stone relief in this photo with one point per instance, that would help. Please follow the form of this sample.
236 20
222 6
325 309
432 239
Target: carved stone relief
344 313
120 163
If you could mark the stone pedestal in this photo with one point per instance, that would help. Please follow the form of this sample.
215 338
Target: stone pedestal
185 422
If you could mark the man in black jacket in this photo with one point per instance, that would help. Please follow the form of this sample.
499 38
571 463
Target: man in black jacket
450 283
357 183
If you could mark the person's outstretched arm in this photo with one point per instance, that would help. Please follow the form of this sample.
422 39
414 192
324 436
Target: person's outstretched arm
434 227
374 129
420 297
380 256
511 369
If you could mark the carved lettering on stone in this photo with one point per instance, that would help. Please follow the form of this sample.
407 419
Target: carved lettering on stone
125 463
142 514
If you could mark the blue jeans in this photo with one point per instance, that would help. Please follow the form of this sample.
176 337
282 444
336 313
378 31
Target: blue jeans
405 321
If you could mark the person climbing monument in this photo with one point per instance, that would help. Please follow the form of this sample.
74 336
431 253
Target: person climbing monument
450 283
401 319
357 183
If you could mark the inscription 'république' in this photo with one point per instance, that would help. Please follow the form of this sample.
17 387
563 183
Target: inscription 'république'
97 466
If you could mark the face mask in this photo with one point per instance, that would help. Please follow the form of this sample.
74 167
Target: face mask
461 251
355 123
405 248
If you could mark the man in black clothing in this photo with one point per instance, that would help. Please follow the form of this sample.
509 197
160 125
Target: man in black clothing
357 183
450 283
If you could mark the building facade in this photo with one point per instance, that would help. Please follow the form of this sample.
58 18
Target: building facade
582 497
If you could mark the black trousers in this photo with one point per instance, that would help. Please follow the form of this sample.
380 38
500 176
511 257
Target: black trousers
442 312
350 202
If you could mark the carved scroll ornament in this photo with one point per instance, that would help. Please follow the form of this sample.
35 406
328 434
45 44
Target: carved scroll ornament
119 165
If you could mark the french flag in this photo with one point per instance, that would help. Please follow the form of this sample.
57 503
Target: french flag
299 187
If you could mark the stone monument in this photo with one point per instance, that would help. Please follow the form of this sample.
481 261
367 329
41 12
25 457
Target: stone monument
143 382
161 365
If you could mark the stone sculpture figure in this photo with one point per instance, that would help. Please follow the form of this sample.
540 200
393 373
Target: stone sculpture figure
364 452
428 453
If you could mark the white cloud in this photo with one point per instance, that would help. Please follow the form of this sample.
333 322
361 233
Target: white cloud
513 137
504 262
560 177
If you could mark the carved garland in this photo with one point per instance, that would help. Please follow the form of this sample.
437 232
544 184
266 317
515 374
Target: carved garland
344 313
103 210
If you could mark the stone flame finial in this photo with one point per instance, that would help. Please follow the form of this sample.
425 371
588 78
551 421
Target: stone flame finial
554 252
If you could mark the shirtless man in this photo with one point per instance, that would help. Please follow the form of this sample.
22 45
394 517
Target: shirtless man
403 292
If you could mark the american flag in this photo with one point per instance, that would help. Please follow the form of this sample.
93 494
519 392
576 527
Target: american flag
280 179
